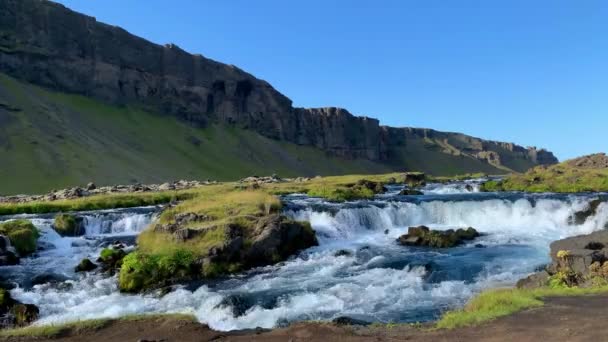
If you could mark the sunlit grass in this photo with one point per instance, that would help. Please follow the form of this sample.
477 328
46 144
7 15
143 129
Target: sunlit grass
493 304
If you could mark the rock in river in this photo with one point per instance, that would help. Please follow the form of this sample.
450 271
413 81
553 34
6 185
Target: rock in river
423 236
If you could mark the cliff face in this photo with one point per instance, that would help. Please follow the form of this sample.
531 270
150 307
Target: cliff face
47 44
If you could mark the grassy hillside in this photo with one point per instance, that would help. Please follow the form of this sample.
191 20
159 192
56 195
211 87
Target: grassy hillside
587 173
53 140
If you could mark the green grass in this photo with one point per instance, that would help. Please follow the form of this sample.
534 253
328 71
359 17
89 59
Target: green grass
561 178
493 304
58 140
98 202
79 327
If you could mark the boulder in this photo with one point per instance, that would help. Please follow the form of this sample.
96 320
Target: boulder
424 236
68 225
275 238
343 252
85 265
47 278
91 186
534 280
415 179
579 252
410 192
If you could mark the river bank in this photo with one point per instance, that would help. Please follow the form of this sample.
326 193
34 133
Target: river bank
357 271
560 319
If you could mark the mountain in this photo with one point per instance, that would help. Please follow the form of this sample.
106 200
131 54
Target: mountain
79 101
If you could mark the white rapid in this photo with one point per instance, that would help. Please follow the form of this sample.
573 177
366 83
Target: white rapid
358 270
58 255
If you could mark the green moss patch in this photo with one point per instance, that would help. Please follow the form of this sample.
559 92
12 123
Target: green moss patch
68 225
22 234
140 271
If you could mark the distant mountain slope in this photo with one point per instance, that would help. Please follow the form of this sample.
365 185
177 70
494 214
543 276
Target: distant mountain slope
46 44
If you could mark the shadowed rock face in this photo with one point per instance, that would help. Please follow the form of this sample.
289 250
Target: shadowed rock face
47 44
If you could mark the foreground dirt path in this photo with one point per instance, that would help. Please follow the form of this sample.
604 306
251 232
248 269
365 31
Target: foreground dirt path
561 319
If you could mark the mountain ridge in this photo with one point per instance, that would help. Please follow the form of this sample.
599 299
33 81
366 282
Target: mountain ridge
47 44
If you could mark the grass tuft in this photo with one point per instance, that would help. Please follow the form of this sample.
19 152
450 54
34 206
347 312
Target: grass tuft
493 304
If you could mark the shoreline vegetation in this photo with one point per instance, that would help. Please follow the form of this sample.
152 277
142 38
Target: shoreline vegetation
583 174
483 308
221 228
333 188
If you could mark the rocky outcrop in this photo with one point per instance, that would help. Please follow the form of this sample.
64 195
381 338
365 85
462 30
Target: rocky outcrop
575 261
423 236
592 161
49 45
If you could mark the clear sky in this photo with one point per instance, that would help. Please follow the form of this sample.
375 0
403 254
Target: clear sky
530 72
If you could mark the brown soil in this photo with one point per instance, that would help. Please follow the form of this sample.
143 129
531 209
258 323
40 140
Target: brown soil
561 319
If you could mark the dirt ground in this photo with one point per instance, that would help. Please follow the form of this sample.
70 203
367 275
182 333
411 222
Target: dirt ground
561 319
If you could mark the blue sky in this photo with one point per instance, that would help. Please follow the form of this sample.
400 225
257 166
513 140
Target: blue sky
530 72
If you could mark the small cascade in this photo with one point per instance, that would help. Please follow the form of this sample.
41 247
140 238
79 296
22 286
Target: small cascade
357 270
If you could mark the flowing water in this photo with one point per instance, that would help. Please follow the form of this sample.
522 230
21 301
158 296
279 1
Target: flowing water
358 270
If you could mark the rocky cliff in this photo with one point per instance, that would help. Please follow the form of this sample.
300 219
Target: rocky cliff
44 43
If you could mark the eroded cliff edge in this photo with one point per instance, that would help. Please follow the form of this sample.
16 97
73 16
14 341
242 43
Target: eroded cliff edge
47 44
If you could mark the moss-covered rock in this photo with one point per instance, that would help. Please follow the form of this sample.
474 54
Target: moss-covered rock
85 265
111 258
423 236
68 225
22 234
415 179
140 271
24 314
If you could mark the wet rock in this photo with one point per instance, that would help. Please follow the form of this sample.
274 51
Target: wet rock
343 252
580 217
423 236
48 278
410 192
91 186
8 254
344 320
85 265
